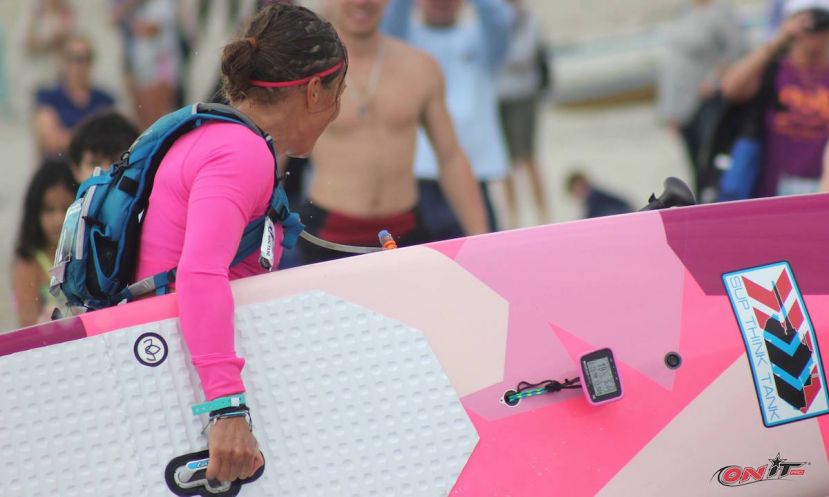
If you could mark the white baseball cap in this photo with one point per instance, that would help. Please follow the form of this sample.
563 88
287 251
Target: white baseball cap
794 6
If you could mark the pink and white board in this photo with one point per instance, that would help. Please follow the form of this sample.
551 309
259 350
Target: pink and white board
738 292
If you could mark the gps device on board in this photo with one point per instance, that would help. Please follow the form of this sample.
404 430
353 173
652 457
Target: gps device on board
599 380
600 377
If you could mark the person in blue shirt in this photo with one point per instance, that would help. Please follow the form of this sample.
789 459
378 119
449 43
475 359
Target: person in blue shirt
59 108
470 55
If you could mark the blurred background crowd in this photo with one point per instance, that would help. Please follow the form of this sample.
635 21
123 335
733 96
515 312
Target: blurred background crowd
597 103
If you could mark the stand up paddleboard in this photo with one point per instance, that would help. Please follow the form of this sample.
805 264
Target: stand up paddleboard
485 366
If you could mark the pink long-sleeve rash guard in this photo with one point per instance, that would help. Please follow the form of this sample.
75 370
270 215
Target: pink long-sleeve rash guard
211 183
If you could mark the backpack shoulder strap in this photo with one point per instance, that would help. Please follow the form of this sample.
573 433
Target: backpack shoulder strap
226 111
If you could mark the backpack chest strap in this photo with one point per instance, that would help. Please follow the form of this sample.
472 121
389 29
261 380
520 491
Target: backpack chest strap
280 212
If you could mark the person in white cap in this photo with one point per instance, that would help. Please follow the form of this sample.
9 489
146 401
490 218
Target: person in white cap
792 70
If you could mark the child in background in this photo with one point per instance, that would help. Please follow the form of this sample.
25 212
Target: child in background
99 141
51 191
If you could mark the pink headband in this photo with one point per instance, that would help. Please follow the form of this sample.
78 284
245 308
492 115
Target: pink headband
297 82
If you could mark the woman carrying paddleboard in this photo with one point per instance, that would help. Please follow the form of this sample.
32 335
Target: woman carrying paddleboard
286 75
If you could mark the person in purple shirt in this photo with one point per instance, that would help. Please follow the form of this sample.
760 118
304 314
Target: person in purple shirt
796 124
59 108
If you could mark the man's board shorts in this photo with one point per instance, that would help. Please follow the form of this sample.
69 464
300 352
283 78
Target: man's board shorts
440 218
407 228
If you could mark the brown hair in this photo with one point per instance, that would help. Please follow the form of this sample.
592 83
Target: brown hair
281 43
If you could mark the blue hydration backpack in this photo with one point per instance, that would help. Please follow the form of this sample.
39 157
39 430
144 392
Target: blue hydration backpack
98 249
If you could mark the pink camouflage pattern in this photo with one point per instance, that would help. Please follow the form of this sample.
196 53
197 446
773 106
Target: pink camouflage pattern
524 305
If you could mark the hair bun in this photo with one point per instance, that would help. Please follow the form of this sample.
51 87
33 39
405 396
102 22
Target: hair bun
237 61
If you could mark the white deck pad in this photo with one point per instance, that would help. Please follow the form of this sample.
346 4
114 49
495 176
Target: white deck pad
345 402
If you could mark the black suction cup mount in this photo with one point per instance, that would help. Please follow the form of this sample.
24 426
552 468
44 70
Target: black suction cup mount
676 194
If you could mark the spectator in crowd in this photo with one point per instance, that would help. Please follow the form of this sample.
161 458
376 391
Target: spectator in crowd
59 108
51 191
596 202
53 21
703 43
363 179
521 81
470 54
50 24
796 125
99 141
152 54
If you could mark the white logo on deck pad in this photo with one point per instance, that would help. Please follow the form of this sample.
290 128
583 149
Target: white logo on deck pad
150 349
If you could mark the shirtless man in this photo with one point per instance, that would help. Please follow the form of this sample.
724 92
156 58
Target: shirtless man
364 180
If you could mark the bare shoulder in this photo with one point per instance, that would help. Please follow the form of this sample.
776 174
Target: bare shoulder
413 61
26 271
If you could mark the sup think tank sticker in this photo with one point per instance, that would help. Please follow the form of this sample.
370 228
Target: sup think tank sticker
780 341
